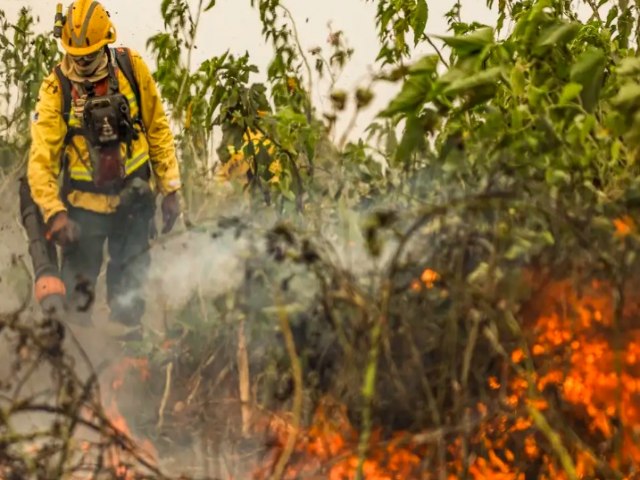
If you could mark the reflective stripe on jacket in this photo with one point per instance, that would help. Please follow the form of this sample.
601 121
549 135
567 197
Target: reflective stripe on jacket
48 131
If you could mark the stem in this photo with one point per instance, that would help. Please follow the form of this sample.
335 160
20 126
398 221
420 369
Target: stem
296 368
430 42
244 379
369 386
165 397
349 129
190 53
618 363
555 441
594 8
302 55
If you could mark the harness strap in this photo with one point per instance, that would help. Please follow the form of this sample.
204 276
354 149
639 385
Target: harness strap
123 60
65 86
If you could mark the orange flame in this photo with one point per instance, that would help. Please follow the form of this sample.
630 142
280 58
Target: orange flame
119 462
120 370
624 226
329 448
581 356
429 277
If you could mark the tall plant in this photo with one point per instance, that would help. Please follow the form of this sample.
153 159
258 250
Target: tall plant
26 58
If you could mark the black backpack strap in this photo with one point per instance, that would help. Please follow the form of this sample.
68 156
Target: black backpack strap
65 87
123 59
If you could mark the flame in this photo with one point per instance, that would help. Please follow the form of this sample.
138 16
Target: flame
120 370
119 462
586 372
624 226
429 277
593 365
330 448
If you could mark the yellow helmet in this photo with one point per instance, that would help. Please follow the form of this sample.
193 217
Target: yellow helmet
87 28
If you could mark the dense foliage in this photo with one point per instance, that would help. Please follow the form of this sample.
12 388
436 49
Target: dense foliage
428 278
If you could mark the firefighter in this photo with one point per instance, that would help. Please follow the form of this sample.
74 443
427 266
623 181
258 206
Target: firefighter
101 151
238 162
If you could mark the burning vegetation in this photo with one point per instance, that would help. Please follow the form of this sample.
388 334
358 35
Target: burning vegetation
565 406
468 311
543 387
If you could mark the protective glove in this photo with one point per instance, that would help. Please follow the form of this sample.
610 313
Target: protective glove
63 230
170 211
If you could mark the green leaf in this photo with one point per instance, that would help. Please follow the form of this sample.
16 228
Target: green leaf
613 14
413 94
471 43
569 92
629 66
554 176
485 77
589 72
211 4
628 96
480 276
412 139
164 8
426 65
385 18
557 34
519 249
419 20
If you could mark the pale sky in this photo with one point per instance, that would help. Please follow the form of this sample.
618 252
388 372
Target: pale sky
234 25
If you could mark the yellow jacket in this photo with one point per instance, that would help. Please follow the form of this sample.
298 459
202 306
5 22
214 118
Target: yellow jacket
48 130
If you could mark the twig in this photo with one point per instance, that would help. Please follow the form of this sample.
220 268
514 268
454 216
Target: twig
244 379
191 41
302 55
349 129
442 59
594 8
432 211
114 434
165 396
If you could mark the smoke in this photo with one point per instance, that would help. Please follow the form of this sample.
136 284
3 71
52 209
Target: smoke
209 260
195 262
